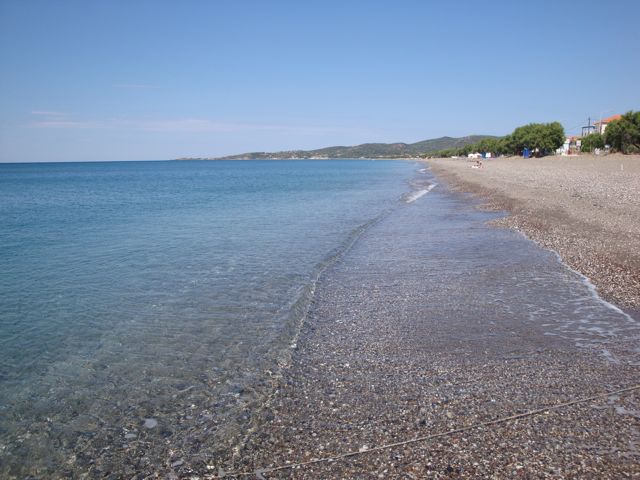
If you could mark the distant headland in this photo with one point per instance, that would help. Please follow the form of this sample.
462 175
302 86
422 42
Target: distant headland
366 150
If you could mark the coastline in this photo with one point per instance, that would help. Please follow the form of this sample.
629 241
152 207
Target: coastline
403 343
584 208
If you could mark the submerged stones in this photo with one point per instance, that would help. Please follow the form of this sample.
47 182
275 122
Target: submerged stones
404 348
150 423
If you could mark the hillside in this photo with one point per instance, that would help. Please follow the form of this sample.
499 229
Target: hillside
366 150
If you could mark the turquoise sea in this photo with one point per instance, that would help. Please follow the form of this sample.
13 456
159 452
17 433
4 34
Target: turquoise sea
161 297
148 309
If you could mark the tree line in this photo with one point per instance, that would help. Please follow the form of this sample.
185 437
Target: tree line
542 138
622 135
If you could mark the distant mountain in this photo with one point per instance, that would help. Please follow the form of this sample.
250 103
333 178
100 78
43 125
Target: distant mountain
366 150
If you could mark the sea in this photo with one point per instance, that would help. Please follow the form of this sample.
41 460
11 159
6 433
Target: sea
148 309
162 296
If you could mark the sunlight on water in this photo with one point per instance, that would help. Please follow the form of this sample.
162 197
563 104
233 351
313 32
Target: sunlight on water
147 308
142 303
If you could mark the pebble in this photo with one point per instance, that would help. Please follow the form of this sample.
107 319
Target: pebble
150 423
373 344
536 194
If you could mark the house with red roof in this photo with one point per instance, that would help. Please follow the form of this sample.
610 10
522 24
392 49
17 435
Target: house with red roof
601 126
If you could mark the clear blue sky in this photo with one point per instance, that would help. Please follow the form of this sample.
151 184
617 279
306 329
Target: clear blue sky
126 80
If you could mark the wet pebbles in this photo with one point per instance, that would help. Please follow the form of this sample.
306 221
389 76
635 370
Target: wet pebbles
586 208
405 342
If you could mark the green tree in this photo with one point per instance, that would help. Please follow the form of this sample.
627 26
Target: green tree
506 145
467 149
624 134
591 142
546 137
487 145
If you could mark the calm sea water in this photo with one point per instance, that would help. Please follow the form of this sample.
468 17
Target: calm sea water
160 297
147 309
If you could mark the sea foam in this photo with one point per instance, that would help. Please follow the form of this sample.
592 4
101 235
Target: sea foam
415 195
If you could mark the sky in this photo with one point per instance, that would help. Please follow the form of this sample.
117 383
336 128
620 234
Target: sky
97 80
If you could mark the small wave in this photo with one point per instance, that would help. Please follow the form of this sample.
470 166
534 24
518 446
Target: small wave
415 195
592 289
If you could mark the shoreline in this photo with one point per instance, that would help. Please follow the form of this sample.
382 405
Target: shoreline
402 343
583 208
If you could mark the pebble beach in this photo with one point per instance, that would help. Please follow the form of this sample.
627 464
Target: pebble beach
586 208
441 346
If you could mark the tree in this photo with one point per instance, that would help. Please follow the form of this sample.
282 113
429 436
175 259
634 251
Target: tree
624 134
466 150
546 137
488 145
506 145
591 142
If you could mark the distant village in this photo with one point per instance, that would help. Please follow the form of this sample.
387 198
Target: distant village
573 144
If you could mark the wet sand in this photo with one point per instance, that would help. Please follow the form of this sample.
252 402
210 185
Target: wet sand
586 208
427 328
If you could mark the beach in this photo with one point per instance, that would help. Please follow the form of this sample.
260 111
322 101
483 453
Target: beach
586 208
441 346
261 240
380 325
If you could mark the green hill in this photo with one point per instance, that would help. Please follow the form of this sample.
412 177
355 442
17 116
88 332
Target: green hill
366 150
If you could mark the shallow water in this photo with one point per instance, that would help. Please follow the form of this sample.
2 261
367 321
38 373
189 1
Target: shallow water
142 303
458 269
146 307
436 321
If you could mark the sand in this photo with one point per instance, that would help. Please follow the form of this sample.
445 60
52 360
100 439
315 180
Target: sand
586 208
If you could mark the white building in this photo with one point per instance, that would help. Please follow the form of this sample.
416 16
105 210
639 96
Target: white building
601 126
